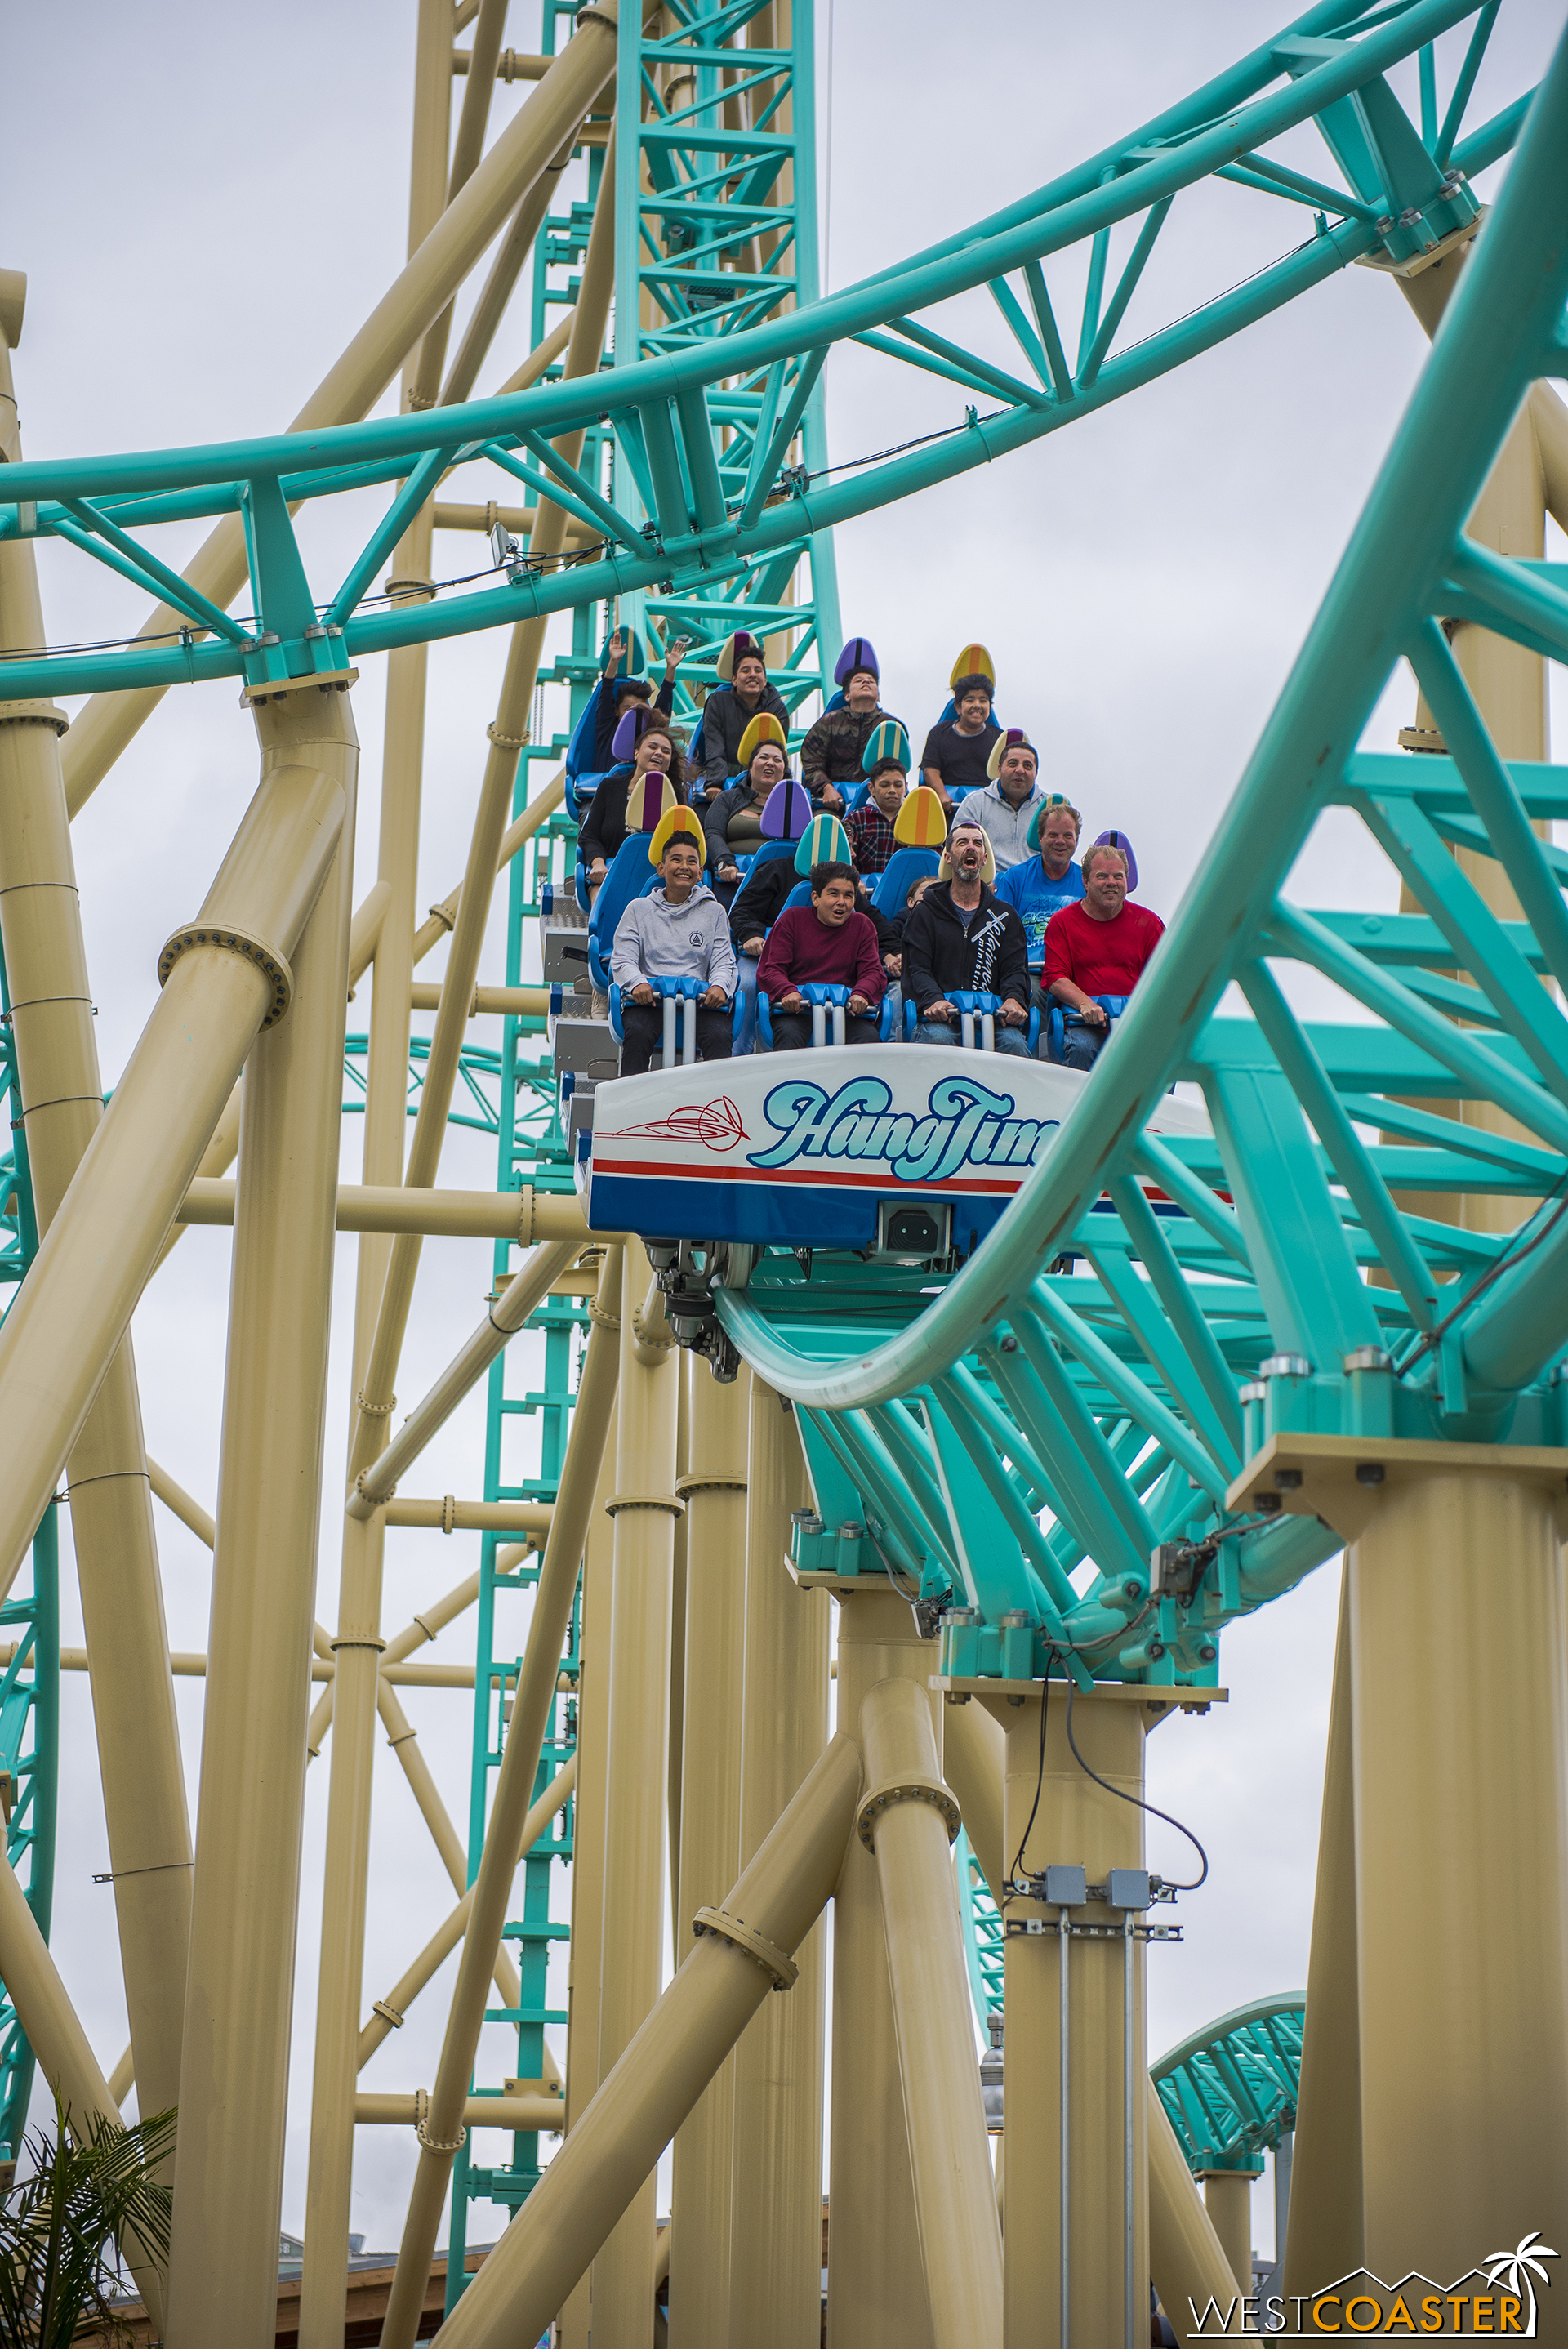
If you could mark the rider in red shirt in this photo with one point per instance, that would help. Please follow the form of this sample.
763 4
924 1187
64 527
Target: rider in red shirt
1097 946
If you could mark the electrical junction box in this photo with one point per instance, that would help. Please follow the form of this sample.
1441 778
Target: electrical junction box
1127 1887
1067 1887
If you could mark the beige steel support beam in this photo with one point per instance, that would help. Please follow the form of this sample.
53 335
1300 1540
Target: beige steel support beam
597 2175
62 2047
452 1516
542 805
364 931
631 1961
1459 1651
1325 2234
496 1002
522 520
227 977
214 1161
402 1737
1085 2232
526 1216
423 1626
546 2113
112 1511
507 65
191 1664
714 1490
508 734
530 1284
465 150
489 307
876 2288
1186 2258
389 2014
442 2134
233 2082
179 1504
351 386
341 1971
574 2326
1228 2199
776 2220
908 1819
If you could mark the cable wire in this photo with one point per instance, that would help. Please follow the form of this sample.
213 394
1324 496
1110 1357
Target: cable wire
1136 1800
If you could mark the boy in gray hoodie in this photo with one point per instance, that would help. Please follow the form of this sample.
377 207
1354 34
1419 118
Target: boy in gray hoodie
677 931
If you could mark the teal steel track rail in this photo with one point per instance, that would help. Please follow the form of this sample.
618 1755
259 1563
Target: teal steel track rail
1230 2091
1150 1312
710 529
30 1622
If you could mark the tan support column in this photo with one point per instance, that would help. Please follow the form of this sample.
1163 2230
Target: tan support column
714 1489
1185 2257
876 2287
775 2216
441 2133
1076 1823
112 1511
1228 2199
588 1844
631 1943
1457 1649
743 1954
909 1818
1325 2236
357 1650
228 2178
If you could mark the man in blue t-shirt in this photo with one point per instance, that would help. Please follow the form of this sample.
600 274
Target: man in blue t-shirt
1036 887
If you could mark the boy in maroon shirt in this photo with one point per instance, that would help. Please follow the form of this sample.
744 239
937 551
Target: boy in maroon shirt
1097 946
830 943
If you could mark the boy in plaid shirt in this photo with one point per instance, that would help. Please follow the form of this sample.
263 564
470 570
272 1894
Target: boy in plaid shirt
869 826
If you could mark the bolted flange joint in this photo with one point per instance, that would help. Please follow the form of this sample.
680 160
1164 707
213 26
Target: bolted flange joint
772 1960
230 940
914 1788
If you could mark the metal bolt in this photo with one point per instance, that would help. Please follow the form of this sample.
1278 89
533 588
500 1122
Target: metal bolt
1269 1505
1287 1480
1370 1472
1286 1366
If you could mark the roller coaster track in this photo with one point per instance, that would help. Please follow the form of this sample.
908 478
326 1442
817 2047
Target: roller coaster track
1192 1385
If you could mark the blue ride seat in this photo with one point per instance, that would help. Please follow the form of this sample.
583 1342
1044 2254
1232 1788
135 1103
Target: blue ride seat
903 868
1058 1019
824 1000
676 994
976 1016
630 876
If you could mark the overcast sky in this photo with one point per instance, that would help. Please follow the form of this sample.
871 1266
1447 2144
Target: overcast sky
207 202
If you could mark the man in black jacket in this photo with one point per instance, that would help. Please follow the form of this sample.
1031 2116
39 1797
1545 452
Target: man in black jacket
731 709
962 935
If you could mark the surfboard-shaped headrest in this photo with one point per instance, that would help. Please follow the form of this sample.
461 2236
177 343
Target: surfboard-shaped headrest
922 821
740 647
787 811
1052 801
886 739
633 724
648 798
823 842
1011 737
763 728
1119 840
987 870
859 653
973 661
676 824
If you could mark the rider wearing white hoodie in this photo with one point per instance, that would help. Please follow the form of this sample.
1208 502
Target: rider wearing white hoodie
677 931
